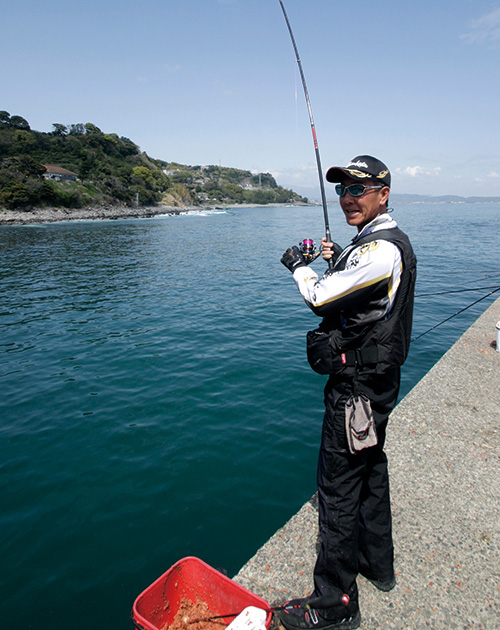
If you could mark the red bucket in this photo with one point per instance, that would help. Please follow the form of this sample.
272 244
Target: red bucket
192 579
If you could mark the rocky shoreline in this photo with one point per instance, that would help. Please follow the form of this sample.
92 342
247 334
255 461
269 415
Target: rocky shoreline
53 215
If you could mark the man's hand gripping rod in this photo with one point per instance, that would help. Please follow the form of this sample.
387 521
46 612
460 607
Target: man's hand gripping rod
313 129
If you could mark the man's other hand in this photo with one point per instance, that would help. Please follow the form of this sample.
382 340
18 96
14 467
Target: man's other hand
293 258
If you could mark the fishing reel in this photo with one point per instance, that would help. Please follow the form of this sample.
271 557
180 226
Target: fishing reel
307 248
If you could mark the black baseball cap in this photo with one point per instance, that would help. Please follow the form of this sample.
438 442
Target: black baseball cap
362 167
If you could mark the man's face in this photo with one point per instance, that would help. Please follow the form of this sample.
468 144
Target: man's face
359 211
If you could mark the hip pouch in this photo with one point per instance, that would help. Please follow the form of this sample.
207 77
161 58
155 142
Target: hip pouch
359 423
322 351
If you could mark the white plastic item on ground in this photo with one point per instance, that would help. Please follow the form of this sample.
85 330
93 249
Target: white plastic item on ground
251 618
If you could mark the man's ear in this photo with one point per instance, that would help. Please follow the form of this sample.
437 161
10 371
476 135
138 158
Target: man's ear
384 194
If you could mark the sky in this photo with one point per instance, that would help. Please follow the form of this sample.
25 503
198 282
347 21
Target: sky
216 82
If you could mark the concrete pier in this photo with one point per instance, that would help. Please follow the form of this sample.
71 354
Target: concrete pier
443 444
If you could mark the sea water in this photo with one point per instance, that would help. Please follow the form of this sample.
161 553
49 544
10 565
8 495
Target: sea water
156 401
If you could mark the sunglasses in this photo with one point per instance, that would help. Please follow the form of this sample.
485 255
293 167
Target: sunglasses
355 190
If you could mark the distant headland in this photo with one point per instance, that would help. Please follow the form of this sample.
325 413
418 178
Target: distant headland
79 166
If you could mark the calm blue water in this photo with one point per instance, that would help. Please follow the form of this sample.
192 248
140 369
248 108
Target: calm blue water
156 400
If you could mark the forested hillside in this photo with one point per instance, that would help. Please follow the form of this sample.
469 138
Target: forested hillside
111 169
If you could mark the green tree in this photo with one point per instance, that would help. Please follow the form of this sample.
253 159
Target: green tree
19 123
17 196
59 129
90 128
77 130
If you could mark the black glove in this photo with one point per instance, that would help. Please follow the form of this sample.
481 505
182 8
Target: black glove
293 258
337 250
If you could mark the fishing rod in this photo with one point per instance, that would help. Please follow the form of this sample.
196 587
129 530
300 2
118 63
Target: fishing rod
313 129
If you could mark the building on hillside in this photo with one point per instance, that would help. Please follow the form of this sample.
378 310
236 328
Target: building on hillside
59 174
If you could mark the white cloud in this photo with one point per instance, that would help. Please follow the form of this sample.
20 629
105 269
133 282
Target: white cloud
418 171
494 175
484 30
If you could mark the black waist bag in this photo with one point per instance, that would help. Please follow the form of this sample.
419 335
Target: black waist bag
323 351
328 352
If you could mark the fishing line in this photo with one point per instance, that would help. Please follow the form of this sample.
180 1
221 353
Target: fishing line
420 295
313 129
455 314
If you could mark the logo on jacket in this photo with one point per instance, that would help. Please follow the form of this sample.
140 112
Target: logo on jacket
368 247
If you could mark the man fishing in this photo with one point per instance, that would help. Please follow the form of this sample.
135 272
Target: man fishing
366 302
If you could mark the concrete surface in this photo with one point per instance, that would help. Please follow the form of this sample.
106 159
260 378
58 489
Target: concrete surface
443 444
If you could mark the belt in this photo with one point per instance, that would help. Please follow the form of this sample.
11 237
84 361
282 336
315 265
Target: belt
359 356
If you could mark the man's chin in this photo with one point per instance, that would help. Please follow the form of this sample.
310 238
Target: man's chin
352 218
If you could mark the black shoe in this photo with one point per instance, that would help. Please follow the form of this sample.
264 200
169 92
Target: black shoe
297 614
382 585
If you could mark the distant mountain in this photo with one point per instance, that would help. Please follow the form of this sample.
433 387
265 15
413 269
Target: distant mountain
313 194
401 198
